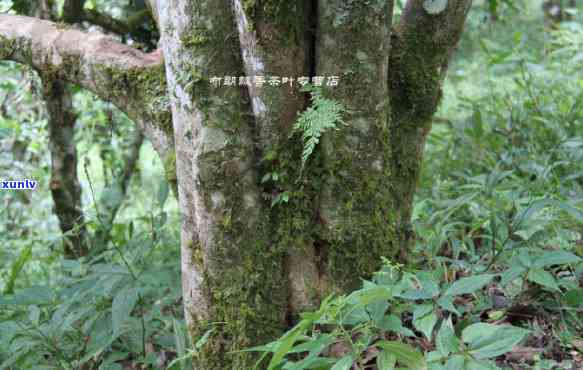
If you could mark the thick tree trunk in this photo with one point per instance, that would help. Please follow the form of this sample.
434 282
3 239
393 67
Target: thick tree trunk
248 267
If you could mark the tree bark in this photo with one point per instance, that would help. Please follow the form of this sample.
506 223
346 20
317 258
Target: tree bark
64 185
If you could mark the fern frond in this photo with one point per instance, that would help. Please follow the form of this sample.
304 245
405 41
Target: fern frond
323 115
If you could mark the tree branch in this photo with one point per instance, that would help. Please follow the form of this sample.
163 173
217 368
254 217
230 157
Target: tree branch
73 10
114 25
133 81
422 44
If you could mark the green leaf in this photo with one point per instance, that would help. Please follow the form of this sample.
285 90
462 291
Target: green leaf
574 297
424 319
34 314
469 284
370 295
405 354
446 341
559 257
447 304
110 366
121 308
542 277
488 340
345 363
286 342
456 362
16 268
386 360
179 341
511 274
393 323
34 295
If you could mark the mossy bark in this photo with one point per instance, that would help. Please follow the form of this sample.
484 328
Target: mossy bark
249 267
357 206
64 185
232 277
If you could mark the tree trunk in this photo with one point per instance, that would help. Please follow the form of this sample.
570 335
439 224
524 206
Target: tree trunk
249 268
64 185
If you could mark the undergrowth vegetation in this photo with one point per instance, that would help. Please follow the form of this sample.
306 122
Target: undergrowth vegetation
496 281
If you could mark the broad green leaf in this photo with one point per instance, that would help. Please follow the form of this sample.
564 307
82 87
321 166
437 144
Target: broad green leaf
393 323
488 340
447 304
373 294
511 274
163 191
424 319
386 361
316 363
559 257
574 212
121 308
316 345
574 297
405 354
456 362
542 277
422 285
34 314
34 295
345 363
469 284
446 341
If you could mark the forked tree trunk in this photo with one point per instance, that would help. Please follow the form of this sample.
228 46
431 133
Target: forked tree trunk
250 268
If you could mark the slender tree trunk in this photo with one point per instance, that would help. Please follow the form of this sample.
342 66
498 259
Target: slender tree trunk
64 185
109 205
